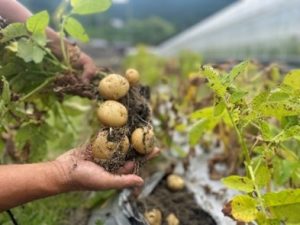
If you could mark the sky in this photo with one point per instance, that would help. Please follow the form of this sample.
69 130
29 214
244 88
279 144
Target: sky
119 1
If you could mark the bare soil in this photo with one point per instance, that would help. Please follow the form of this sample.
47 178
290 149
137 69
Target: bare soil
181 203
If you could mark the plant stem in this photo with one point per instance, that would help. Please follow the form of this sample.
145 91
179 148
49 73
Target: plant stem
62 42
37 89
259 197
239 134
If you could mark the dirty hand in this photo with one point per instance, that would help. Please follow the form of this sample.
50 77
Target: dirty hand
86 63
82 174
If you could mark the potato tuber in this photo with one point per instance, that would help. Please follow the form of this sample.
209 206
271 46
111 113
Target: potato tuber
172 219
153 217
175 182
142 140
113 87
132 76
102 148
112 113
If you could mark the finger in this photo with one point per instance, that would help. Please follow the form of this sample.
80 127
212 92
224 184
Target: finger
154 153
87 75
123 181
127 168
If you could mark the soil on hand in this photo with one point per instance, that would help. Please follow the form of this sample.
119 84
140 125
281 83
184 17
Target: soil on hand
181 203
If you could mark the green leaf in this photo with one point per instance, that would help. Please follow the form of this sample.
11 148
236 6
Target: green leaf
292 79
12 31
76 30
30 52
214 80
219 108
239 183
38 22
197 131
235 72
262 175
287 154
244 208
278 96
290 132
265 129
6 95
259 99
84 7
236 96
284 205
202 113
279 109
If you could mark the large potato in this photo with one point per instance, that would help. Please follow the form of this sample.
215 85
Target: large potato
175 182
142 140
153 217
113 87
113 114
132 76
104 149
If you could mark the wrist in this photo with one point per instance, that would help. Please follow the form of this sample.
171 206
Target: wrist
61 177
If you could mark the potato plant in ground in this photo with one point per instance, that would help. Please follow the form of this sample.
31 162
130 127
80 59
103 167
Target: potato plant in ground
267 128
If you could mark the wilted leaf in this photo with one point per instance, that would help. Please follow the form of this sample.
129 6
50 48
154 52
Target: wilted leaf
262 176
239 183
76 30
244 208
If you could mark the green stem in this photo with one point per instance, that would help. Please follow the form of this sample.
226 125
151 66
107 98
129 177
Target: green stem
37 89
259 196
239 134
62 42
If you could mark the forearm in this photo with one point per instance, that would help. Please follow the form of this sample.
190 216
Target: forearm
23 183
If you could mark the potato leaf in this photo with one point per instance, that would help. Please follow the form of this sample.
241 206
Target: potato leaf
76 30
197 131
38 22
235 72
84 7
292 79
30 52
244 208
214 80
12 31
284 205
239 183
5 96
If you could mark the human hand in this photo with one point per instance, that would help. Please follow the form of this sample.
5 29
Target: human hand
81 174
86 63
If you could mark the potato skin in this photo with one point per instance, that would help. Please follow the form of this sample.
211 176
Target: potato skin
153 217
104 149
112 114
132 76
175 182
142 140
113 87
172 219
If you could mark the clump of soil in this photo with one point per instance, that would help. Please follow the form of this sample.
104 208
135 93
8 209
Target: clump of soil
181 203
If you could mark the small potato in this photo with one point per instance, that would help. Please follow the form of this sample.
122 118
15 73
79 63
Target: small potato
153 217
172 219
104 149
113 87
132 76
142 140
175 182
113 114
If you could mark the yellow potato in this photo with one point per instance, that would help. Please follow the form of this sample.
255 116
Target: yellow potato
175 182
172 219
113 87
104 149
113 114
153 217
142 140
132 76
